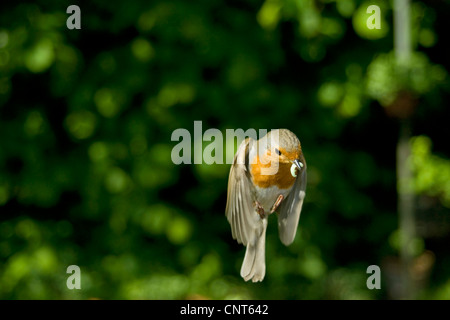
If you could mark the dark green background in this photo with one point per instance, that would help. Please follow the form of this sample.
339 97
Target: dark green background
86 118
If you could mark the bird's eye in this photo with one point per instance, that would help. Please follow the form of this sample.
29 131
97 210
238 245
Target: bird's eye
278 151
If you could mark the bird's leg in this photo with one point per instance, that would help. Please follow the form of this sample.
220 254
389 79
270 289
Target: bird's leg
260 210
277 203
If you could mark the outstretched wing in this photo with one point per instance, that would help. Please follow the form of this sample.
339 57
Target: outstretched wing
240 210
290 209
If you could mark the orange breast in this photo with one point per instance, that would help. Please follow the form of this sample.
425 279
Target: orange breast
282 179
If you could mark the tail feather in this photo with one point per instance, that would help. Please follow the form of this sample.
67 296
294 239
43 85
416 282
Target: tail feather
254 264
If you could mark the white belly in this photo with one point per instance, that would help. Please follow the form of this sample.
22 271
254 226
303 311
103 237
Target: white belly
267 196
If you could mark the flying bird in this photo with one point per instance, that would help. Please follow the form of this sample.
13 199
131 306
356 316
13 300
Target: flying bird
267 175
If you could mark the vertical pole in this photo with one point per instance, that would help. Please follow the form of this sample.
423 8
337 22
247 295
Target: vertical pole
402 46
405 210
402 32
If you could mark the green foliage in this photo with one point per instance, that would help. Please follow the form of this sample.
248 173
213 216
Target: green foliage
432 173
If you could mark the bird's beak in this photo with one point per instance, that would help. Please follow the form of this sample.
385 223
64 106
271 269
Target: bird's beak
298 164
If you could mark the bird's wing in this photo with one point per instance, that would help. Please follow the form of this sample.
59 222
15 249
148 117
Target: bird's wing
240 210
290 209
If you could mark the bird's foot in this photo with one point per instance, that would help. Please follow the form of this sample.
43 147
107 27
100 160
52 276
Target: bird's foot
277 203
260 210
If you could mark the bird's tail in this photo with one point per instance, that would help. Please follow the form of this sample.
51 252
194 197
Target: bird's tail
254 264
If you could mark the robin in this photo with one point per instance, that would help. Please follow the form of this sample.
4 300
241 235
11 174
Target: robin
267 175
